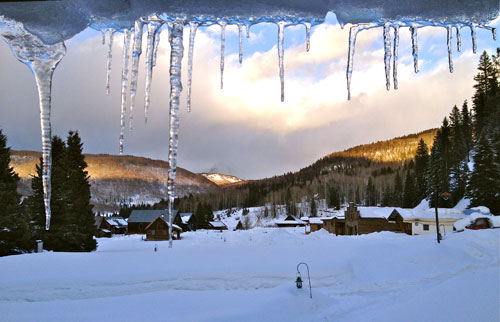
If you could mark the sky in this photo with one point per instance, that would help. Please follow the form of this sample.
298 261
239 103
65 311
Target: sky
244 129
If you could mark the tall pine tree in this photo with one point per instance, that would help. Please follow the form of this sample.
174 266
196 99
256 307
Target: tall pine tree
15 237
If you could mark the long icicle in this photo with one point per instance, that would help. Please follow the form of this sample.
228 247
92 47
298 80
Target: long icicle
494 33
125 57
156 45
240 41
110 59
281 53
448 42
247 30
103 33
136 55
459 38
395 57
176 53
353 33
414 46
387 55
153 25
222 51
473 36
192 34
42 59
308 35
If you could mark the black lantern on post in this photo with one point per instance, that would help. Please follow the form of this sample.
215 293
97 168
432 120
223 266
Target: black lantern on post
298 281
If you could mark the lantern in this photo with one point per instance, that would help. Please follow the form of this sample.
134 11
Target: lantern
298 281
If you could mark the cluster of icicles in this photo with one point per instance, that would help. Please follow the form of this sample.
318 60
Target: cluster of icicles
23 46
132 42
391 50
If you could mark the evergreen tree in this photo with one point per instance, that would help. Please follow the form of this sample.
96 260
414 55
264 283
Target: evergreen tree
467 128
483 186
485 99
398 190
421 164
410 197
333 198
438 174
371 193
314 210
72 220
14 230
78 195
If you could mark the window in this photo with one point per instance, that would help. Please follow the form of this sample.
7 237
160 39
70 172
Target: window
416 224
426 227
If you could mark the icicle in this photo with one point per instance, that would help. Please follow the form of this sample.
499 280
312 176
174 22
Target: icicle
103 32
448 42
222 50
494 33
192 33
308 35
353 32
240 27
414 45
110 58
136 55
153 26
395 57
176 53
125 57
387 55
459 38
473 36
247 29
42 59
156 45
281 52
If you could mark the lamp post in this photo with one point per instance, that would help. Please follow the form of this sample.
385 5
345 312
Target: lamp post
445 196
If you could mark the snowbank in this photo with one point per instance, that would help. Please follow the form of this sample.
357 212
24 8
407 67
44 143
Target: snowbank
249 276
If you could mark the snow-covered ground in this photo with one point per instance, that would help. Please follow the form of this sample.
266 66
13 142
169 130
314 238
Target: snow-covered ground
249 276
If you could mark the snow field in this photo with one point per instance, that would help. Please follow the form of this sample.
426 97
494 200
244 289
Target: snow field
249 276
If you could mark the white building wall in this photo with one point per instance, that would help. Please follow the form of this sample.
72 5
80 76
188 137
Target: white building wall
418 228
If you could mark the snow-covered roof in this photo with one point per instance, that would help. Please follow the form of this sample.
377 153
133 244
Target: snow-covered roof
217 224
147 216
315 220
415 213
185 217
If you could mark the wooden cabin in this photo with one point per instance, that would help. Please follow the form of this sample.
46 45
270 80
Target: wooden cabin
188 222
366 220
107 226
334 225
158 230
217 225
290 221
140 219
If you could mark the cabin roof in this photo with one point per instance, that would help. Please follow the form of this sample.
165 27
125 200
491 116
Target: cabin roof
217 224
185 217
174 226
147 216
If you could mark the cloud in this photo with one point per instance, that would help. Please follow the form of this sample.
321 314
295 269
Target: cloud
244 128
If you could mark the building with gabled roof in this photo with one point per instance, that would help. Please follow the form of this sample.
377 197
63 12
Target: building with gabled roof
158 230
140 219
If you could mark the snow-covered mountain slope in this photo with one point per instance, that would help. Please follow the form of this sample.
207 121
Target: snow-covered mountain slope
117 180
222 179
250 276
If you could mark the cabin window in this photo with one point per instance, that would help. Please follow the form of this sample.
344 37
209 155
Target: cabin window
153 232
426 227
